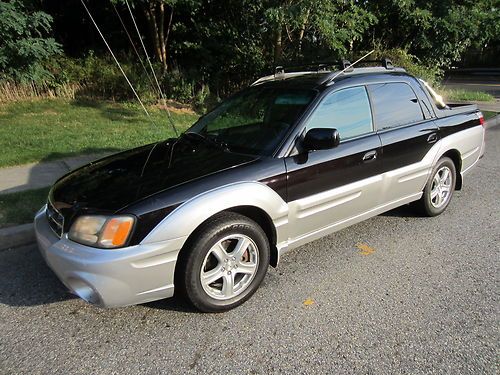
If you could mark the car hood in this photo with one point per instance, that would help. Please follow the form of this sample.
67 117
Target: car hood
112 183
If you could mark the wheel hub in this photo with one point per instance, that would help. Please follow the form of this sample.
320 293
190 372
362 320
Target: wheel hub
441 187
229 267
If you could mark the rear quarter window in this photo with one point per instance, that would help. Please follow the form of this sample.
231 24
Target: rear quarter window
394 104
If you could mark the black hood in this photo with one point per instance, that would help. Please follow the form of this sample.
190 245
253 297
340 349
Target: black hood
117 181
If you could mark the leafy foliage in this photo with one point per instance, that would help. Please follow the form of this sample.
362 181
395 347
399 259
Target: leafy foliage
203 50
24 45
438 31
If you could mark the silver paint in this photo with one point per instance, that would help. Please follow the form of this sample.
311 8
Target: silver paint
145 272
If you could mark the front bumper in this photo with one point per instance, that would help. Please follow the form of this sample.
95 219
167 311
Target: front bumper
110 278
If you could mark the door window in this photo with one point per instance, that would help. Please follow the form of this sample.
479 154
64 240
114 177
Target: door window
346 110
394 104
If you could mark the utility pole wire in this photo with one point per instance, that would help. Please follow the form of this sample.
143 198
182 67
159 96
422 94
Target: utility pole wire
151 66
135 49
117 62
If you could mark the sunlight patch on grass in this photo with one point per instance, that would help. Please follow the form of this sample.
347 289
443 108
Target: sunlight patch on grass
465 95
48 129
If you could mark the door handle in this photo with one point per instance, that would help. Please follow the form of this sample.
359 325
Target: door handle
432 138
370 155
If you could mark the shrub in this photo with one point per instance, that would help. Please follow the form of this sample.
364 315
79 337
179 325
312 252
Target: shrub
99 77
413 65
24 43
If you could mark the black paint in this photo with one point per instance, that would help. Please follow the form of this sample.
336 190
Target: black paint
151 181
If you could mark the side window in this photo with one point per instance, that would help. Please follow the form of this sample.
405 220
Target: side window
346 110
394 104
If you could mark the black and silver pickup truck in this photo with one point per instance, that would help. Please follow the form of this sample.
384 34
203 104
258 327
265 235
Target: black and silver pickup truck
294 157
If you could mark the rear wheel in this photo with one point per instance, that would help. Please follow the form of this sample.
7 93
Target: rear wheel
225 264
439 189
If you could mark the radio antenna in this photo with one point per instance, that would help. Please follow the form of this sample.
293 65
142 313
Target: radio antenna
351 65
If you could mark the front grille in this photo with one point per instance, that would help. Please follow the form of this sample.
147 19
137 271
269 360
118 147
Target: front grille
56 220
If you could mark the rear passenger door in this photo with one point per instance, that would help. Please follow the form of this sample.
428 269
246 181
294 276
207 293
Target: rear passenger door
407 132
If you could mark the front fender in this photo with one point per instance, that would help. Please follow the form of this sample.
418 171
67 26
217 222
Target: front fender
189 215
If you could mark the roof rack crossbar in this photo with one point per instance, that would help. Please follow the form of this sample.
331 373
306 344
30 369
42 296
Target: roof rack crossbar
315 66
282 72
386 63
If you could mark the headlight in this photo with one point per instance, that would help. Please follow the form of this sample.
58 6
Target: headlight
102 231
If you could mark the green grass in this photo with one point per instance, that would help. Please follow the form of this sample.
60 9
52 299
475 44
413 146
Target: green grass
465 95
19 208
489 114
48 129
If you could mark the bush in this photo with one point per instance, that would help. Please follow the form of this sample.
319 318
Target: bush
413 65
24 45
99 77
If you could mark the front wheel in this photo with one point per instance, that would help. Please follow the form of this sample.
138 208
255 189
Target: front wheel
439 189
225 264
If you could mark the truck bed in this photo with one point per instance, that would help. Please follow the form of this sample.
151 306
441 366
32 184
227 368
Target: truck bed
456 109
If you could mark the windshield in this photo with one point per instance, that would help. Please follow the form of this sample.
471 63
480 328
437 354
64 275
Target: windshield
255 120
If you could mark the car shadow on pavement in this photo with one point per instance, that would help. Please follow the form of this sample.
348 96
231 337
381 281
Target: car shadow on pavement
25 279
175 303
402 211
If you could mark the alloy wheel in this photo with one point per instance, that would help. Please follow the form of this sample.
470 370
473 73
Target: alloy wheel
441 187
229 267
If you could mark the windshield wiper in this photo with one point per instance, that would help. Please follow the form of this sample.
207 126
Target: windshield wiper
212 141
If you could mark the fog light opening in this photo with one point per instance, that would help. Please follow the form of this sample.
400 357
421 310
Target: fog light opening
84 291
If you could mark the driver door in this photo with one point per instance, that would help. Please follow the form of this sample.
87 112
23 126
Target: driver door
329 188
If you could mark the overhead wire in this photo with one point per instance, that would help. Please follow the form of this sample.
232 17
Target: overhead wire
151 66
135 49
117 62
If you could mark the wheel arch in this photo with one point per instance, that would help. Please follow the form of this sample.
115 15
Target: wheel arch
251 199
455 156
252 212
265 222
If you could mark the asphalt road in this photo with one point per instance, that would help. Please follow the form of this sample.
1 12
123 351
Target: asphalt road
471 83
423 299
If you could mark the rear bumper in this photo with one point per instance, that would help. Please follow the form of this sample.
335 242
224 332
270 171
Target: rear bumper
476 156
110 278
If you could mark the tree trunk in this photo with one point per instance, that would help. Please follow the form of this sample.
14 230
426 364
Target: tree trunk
278 44
302 31
169 26
155 16
161 36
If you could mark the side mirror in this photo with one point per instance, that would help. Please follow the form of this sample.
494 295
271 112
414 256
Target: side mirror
321 139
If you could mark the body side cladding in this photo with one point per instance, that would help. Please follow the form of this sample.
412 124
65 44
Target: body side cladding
462 147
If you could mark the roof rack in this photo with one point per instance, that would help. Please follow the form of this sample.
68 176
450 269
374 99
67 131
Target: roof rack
316 67
386 63
282 72
323 66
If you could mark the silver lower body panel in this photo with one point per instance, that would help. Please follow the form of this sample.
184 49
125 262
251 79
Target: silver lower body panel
110 278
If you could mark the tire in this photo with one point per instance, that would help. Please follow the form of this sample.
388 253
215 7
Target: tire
439 189
224 263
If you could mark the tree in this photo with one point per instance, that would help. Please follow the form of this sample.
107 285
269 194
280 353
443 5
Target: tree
331 25
25 45
159 16
439 32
